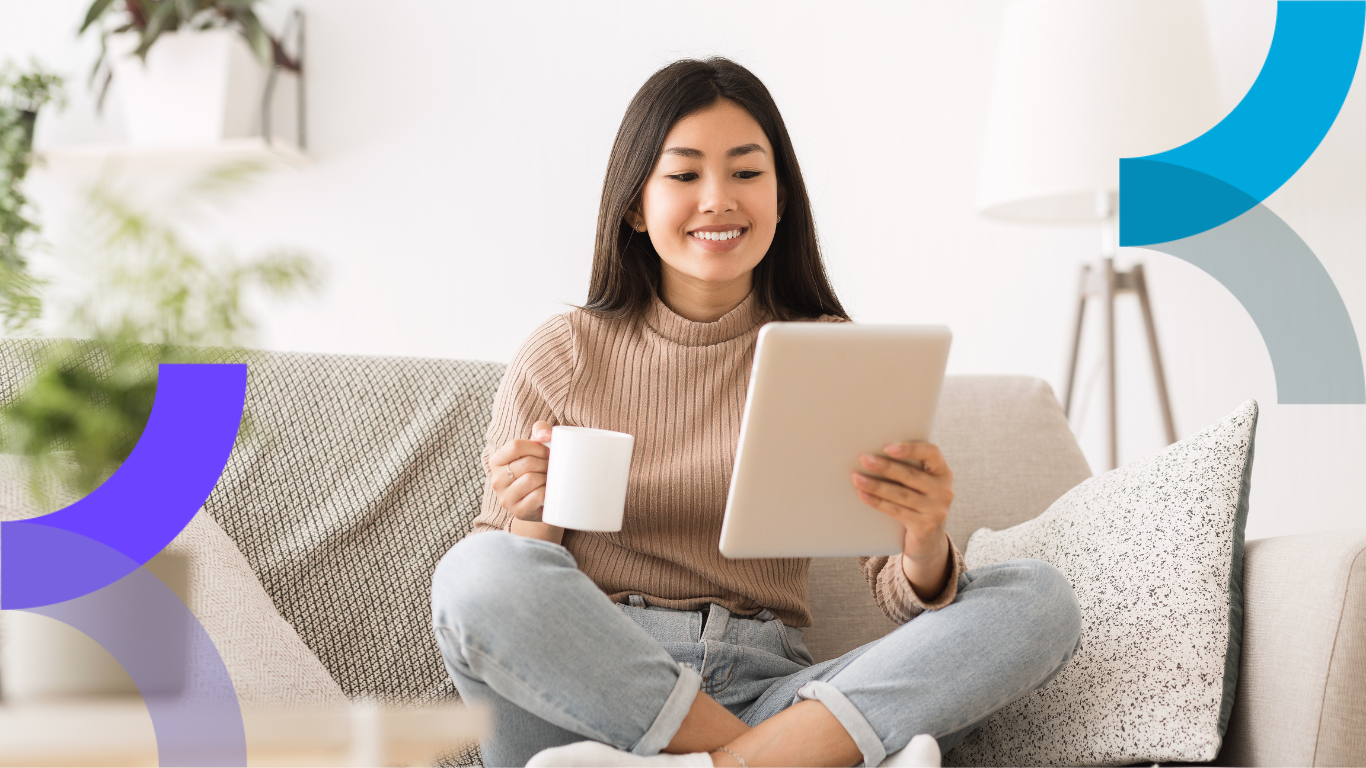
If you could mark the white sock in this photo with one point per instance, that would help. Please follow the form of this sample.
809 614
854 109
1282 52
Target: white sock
593 753
922 752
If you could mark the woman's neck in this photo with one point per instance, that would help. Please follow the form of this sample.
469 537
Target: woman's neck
699 300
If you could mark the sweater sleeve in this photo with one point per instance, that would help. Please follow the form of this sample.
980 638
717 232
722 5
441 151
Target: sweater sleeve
893 592
535 388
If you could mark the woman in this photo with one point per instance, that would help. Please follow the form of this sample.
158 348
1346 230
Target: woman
617 647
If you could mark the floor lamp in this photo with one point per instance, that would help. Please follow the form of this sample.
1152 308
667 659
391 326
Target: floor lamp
1078 85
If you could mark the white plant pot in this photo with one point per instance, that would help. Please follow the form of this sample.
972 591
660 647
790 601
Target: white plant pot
42 658
198 89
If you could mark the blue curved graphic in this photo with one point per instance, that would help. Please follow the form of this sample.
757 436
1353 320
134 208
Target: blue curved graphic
145 504
1262 142
164 649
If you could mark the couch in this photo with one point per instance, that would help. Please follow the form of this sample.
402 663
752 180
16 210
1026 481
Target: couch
354 474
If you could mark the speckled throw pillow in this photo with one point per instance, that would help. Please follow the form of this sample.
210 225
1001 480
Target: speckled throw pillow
1154 553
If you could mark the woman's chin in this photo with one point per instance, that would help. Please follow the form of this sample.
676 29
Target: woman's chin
722 274
716 269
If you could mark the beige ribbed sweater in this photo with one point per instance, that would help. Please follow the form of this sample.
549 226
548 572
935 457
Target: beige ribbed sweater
679 387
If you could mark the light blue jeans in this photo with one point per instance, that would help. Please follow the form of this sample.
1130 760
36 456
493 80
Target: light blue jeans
525 634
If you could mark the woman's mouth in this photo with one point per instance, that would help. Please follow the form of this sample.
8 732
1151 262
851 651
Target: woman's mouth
729 234
718 240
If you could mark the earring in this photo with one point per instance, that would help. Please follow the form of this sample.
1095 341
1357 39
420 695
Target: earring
780 218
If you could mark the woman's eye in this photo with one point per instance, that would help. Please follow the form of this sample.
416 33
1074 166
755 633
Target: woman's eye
688 176
747 174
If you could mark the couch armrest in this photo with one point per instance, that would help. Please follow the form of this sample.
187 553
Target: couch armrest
1301 697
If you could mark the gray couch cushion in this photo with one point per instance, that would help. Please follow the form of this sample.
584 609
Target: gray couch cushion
1010 448
1012 454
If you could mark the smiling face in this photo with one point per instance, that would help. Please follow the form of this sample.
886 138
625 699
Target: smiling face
710 206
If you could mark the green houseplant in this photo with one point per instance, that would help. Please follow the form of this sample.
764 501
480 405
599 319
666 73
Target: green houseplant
148 297
23 92
150 19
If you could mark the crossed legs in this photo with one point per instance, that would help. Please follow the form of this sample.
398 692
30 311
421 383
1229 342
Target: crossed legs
523 632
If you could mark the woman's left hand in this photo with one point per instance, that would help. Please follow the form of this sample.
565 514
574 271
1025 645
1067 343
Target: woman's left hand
919 498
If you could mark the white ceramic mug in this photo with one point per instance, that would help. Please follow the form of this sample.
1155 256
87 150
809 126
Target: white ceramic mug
585 484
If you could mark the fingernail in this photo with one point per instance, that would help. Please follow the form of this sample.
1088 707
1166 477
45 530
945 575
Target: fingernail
868 461
861 480
896 449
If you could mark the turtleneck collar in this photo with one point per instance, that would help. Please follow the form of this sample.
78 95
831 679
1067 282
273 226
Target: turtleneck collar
745 317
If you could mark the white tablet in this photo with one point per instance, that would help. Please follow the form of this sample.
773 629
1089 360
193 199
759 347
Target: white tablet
819 395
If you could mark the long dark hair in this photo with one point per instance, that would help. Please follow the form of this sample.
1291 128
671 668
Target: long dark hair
790 282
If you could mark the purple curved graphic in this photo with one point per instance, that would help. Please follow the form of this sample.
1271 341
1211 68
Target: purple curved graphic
137 511
167 653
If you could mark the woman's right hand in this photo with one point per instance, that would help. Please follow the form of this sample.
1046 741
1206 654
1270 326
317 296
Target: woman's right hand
517 470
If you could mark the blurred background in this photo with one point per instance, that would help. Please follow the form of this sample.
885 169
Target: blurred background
455 154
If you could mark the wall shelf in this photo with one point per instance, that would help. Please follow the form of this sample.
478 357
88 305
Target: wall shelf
92 158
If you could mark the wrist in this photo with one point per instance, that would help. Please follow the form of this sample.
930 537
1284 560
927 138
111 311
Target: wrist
933 554
928 573
536 530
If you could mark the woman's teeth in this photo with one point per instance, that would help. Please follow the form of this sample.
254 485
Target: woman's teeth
734 233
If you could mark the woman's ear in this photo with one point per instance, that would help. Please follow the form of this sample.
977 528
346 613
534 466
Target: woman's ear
782 200
635 220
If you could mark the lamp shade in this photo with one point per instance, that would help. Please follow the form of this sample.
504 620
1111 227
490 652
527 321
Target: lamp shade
1082 83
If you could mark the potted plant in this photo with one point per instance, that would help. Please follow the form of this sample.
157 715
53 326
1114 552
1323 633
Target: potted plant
191 72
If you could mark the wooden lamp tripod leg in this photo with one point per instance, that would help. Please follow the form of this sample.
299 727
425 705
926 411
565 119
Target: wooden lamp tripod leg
1108 289
1070 386
1141 288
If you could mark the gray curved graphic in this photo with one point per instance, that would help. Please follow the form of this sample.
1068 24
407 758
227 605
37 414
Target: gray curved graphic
1291 298
183 681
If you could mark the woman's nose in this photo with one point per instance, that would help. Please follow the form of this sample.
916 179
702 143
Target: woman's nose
717 196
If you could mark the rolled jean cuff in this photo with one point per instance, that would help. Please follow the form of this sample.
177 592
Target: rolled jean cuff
670 717
865 738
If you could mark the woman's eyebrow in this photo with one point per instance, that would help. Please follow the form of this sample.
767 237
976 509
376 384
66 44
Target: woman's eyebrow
745 149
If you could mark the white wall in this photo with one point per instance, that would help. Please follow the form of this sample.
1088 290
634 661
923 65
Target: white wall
458 152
